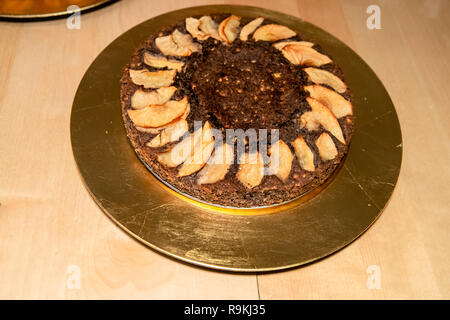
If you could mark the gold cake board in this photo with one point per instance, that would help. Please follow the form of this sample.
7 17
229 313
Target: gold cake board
298 233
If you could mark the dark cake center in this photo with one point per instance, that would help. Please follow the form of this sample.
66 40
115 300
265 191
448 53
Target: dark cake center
247 85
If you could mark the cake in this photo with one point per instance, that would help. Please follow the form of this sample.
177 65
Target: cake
236 111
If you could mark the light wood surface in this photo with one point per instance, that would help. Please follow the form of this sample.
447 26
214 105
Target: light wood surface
48 222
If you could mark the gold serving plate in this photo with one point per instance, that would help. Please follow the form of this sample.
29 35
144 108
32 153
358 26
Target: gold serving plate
246 240
37 9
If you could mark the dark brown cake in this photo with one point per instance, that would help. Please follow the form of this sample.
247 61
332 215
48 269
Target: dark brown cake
272 80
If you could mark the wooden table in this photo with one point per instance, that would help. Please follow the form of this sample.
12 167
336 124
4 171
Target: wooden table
52 234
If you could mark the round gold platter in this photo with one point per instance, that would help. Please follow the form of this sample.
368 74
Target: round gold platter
250 240
42 9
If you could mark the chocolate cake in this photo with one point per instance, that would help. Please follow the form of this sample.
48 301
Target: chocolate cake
236 111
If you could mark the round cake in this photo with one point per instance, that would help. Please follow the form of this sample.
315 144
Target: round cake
236 111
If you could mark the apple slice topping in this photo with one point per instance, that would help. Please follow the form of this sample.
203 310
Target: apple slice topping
185 148
152 79
170 134
280 160
162 62
273 32
142 99
304 154
192 26
334 101
191 166
249 28
228 28
320 114
326 146
158 115
209 27
158 129
320 76
177 44
304 55
178 154
184 40
217 167
282 44
200 153
251 169
168 47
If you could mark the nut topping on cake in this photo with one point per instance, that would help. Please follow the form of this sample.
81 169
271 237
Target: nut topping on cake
326 146
320 76
273 32
334 101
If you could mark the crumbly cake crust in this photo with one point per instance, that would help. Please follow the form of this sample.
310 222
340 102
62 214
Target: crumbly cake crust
245 84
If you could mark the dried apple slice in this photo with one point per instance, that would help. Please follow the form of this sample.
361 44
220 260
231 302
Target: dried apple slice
168 47
282 44
169 134
320 114
251 169
177 44
142 99
209 27
152 79
273 32
249 28
320 76
178 154
280 160
159 129
327 149
184 40
228 28
189 166
162 62
304 154
158 115
218 165
201 152
334 101
192 26
303 55
184 149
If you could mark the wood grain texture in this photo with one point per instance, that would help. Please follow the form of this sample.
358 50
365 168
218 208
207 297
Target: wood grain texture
48 221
